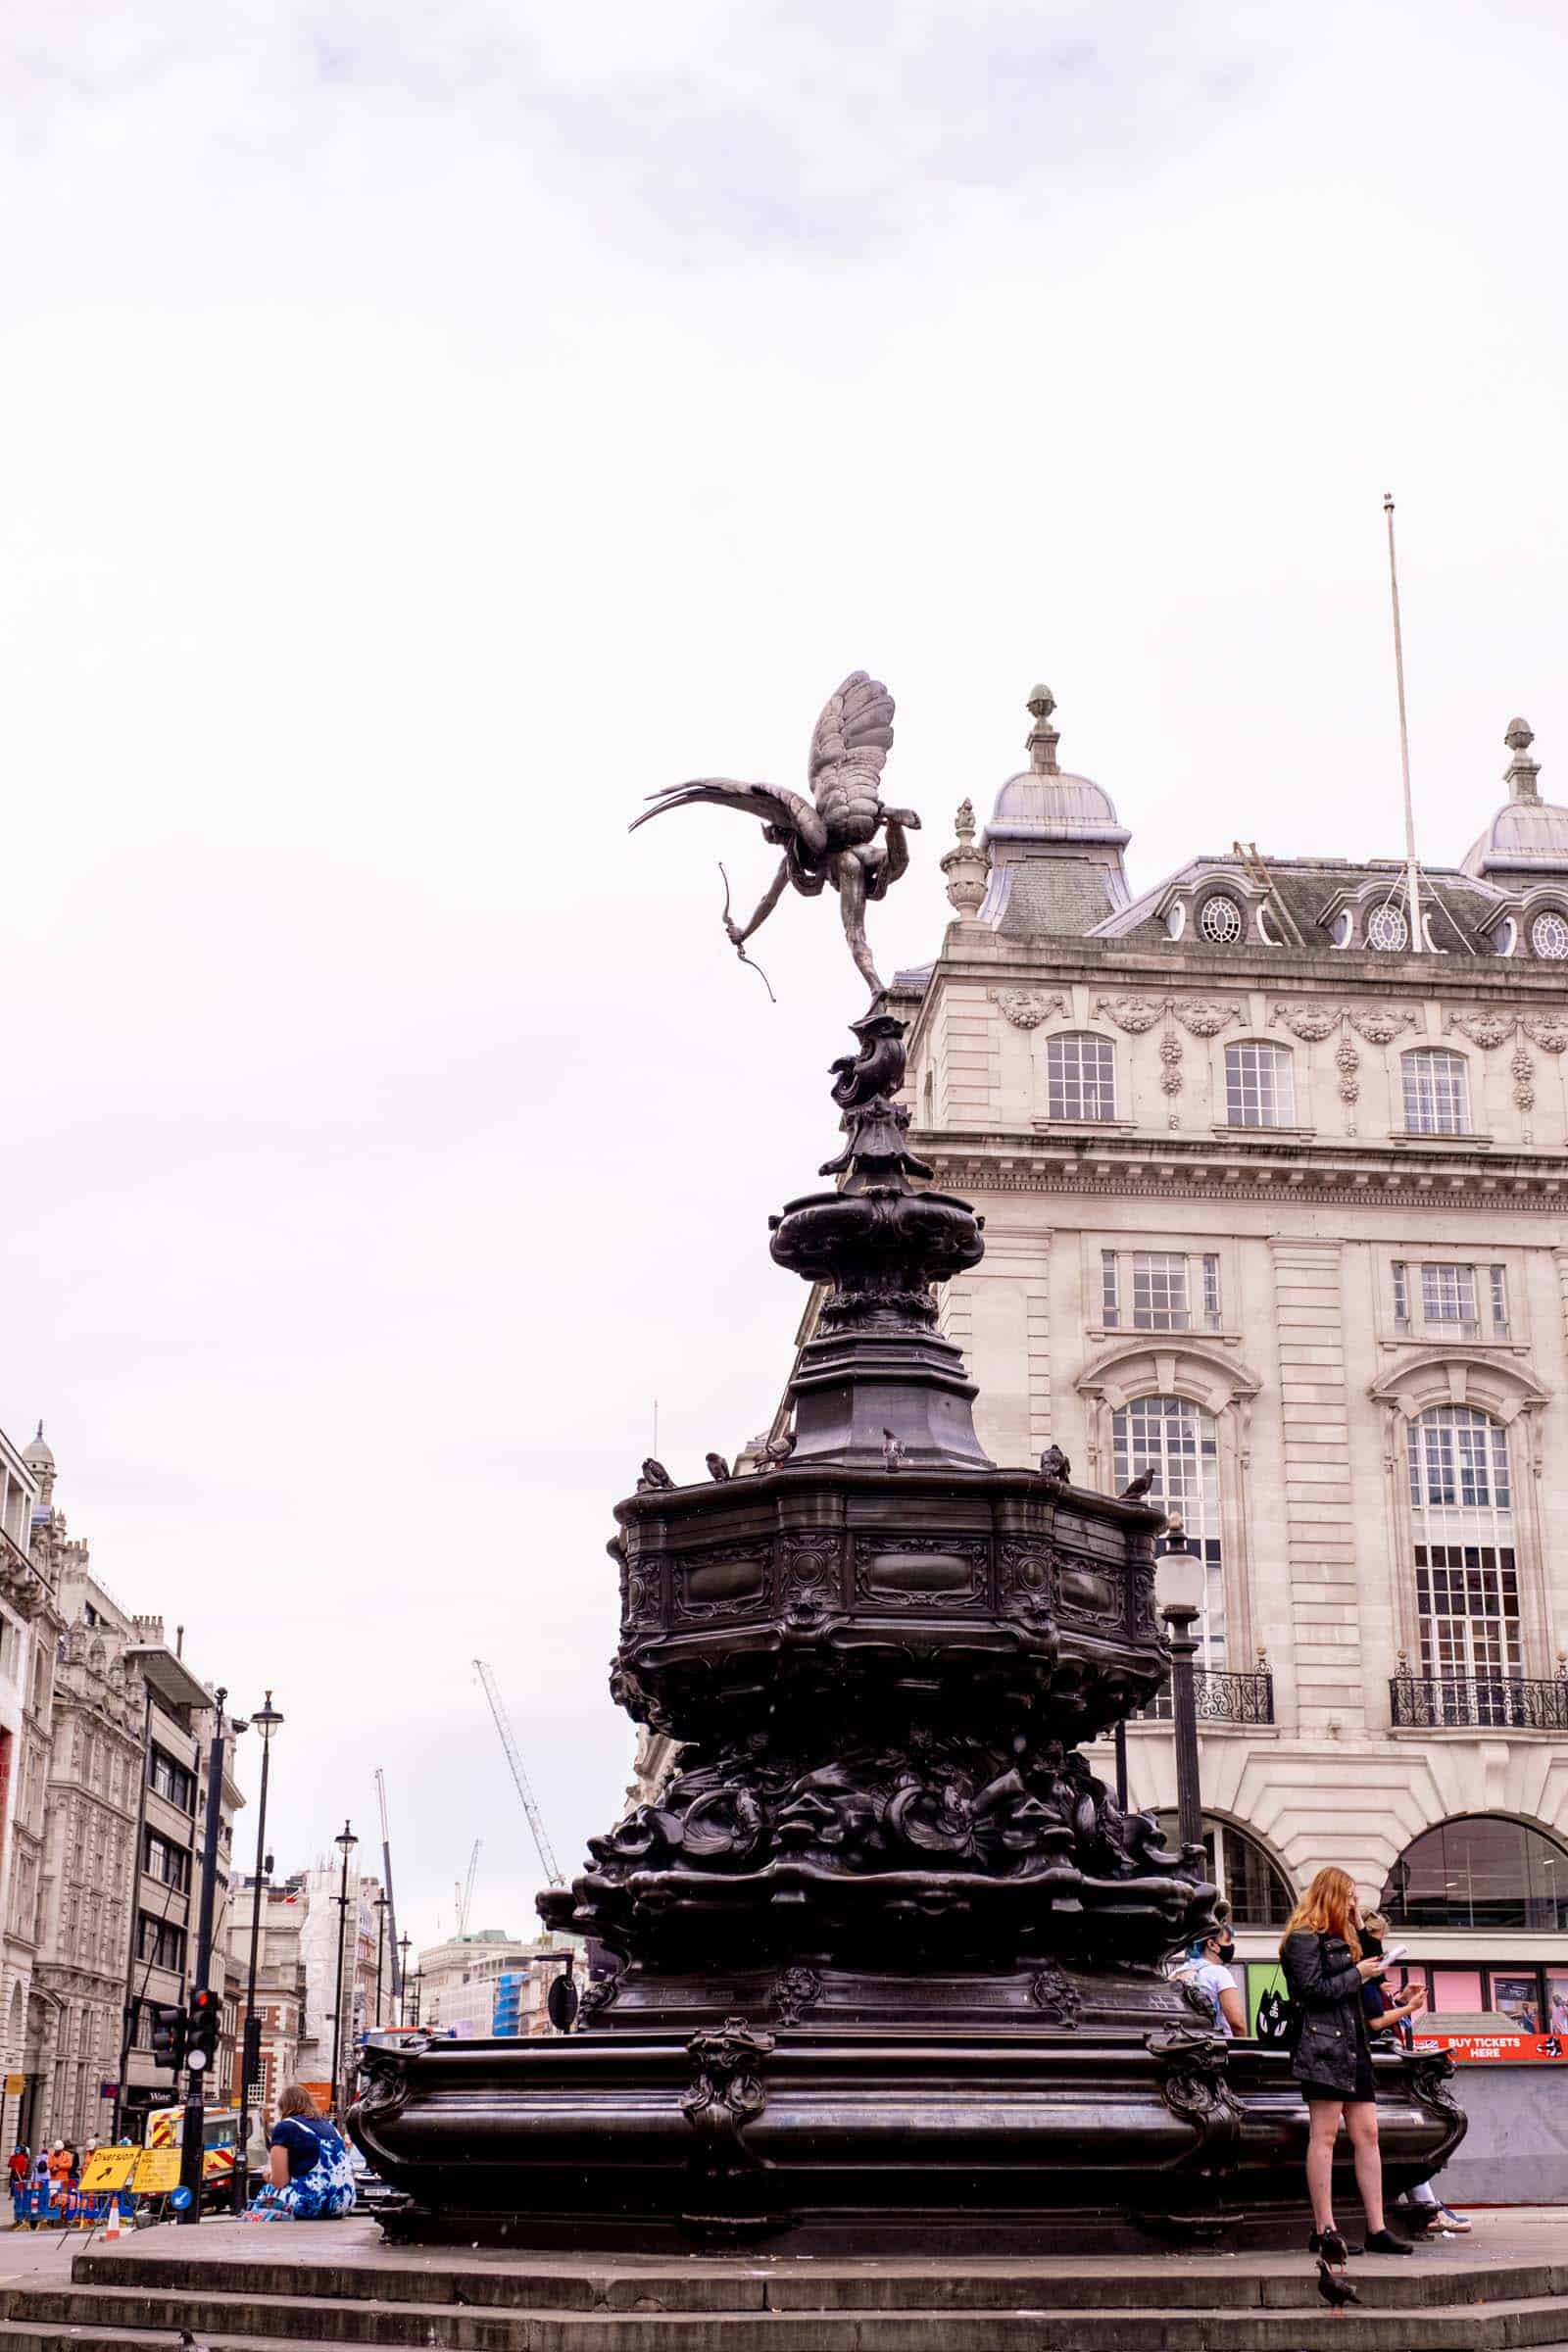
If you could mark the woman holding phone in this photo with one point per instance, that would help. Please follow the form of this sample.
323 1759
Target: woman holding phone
1332 2060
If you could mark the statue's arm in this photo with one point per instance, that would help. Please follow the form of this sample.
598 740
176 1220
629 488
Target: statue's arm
764 905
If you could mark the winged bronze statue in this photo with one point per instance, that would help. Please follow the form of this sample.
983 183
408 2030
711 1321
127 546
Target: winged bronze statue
843 834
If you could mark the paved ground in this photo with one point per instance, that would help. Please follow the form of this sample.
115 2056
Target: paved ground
1506 2235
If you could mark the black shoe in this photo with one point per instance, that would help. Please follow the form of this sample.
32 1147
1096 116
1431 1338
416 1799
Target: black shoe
1331 2246
1384 2241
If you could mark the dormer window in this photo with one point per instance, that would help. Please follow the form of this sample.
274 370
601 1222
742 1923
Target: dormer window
1548 936
1344 928
1221 922
1388 933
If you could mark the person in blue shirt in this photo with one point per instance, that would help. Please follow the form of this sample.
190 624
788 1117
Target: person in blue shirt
311 2176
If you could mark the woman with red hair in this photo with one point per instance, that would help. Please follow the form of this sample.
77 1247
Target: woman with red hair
1331 2059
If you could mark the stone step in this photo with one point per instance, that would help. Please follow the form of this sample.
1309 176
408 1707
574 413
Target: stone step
1441 2276
261 2325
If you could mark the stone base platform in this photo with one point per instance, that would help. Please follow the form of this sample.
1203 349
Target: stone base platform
244 2290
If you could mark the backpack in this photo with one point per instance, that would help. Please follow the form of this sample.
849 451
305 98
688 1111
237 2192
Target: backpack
1190 1977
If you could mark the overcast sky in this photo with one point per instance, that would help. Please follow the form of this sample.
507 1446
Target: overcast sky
426 430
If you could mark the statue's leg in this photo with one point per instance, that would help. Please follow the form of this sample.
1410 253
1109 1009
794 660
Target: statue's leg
897 848
765 906
850 876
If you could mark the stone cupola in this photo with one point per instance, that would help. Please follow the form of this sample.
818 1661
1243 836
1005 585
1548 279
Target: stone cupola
1055 843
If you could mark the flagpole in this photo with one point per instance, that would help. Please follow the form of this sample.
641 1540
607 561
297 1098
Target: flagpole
1412 873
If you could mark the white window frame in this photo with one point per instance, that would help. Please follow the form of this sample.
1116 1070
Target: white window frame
1186 1478
1259 1084
1449 1303
1435 1088
1093 1091
1127 1276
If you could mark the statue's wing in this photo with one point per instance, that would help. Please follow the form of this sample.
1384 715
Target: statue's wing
856 728
771 803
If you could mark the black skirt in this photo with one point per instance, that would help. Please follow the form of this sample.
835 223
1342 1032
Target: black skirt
1363 2095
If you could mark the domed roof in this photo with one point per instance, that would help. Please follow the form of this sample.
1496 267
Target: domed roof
1528 835
1045 799
1058 803
37 1455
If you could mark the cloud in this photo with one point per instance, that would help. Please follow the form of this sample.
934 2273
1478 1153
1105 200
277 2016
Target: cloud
432 429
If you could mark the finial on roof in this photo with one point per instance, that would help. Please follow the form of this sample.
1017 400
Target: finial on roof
1521 770
967 868
1043 736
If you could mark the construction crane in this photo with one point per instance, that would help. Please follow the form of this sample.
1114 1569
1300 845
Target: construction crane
386 1881
541 1835
465 1894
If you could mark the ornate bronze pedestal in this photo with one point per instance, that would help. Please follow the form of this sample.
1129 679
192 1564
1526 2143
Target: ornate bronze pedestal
892 1954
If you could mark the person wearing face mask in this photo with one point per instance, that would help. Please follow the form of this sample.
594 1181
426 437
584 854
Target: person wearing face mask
1325 1969
1207 1966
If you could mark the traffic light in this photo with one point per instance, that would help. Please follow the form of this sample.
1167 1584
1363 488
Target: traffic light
205 2011
168 2038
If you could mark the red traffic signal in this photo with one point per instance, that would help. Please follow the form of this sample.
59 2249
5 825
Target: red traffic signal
206 2016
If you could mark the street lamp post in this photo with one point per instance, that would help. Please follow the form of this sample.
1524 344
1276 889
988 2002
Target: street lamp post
381 1951
265 1721
1180 1579
345 1844
404 1943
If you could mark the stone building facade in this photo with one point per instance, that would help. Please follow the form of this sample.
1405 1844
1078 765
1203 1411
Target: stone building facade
280 1982
29 1625
1273 1181
94 1784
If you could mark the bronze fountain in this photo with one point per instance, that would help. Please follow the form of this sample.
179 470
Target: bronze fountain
892 1955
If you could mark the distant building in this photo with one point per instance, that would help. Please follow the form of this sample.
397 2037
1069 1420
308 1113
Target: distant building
326 1997
104 1739
280 1987
29 1627
459 1981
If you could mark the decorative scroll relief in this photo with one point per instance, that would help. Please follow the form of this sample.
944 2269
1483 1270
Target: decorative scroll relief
1204 1017
1134 1014
1378 1024
1201 1016
1546 1031
1027 1007
1485 1029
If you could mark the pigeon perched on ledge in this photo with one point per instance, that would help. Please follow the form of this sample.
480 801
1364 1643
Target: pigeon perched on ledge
892 1454
652 1475
1137 1487
1053 1463
718 1468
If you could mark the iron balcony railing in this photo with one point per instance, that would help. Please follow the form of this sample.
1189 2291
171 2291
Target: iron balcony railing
1221 1697
1481 1702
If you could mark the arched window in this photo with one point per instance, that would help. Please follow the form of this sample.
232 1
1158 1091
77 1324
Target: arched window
1466 1567
1437 1093
1256 1889
1179 1441
1259 1086
1221 922
1080 1077
1481 1871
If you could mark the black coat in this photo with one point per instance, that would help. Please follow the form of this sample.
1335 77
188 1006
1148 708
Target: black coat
1325 1985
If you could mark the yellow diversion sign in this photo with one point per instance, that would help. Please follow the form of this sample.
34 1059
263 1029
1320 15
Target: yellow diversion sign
108 2169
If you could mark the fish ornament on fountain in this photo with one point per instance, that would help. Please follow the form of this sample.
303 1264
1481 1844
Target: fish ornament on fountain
890 1954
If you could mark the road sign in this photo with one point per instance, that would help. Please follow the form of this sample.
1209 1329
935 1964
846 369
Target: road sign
157 2171
110 2169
